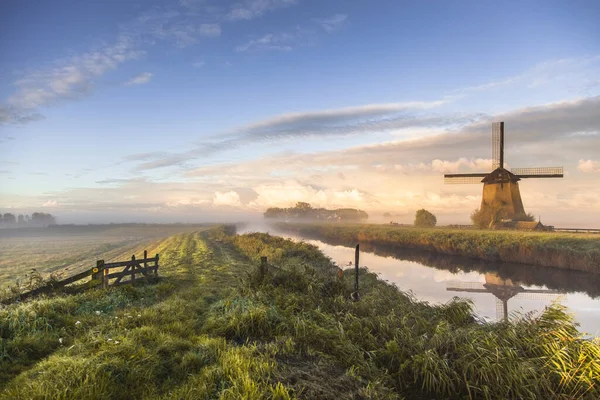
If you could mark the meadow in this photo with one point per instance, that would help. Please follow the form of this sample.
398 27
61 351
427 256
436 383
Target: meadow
216 327
67 250
568 251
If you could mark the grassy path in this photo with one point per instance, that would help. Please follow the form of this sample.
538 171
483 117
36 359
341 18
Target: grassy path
134 342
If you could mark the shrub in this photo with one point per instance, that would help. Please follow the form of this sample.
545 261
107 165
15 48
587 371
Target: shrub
489 216
425 219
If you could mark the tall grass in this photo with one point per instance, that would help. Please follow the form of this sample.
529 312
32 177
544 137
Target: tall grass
407 347
216 327
547 249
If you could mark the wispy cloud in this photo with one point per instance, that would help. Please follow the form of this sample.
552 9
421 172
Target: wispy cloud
69 79
455 135
578 76
250 9
301 35
140 79
343 121
332 23
198 64
282 41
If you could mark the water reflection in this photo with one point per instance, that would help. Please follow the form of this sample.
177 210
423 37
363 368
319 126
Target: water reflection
503 290
437 278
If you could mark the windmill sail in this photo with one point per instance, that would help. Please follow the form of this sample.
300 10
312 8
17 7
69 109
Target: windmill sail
497 145
540 172
463 178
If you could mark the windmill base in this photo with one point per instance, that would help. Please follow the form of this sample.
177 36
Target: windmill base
503 195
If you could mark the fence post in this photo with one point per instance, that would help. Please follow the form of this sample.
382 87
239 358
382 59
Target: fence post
98 272
133 268
356 256
105 277
156 269
263 266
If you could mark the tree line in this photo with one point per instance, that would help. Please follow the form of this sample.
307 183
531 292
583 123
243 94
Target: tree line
37 219
305 211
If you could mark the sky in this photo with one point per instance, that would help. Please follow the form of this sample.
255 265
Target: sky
197 110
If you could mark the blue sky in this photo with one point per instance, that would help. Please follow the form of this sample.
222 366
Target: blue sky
220 108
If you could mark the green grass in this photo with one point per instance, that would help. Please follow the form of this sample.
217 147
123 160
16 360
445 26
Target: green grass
214 327
67 250
547 249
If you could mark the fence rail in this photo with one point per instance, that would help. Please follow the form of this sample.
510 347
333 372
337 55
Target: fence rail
577 230
101 275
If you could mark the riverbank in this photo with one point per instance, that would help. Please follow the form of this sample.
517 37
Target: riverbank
219 326
546 249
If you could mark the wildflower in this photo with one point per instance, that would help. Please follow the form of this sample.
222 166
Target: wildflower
60 340
116 342
109 340
116 317
98 312
78 323
139 315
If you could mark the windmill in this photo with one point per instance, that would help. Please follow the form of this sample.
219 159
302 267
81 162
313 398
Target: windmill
504 290
500 187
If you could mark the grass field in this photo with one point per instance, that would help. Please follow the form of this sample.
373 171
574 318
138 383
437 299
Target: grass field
67 250
548 249
214 327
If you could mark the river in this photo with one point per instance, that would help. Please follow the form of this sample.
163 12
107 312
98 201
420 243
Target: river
496 289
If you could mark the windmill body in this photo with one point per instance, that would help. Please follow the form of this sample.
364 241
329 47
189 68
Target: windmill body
501 186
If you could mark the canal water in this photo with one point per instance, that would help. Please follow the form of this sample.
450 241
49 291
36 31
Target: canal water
496 289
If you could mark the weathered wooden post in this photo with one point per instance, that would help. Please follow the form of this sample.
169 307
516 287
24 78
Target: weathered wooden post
133 268
263 267
356 256
98 272
105 277
145 268
156 269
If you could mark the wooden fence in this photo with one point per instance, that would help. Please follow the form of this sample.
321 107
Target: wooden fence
120 272
577 230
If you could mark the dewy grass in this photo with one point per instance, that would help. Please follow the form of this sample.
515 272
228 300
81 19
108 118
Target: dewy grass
548 249
215 327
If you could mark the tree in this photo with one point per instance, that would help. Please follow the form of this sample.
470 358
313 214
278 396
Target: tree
275 212
489 216
21 219
425 219
9 219
42 219
387 214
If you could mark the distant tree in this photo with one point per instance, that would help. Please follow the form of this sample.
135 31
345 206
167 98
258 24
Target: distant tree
489 216
9 219
42 219
425 219
350 214
387 214
275 212
303 206
21 220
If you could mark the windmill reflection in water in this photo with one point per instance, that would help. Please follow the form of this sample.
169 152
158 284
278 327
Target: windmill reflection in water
504 290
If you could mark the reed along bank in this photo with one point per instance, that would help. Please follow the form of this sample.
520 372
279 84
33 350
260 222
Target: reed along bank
568 251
